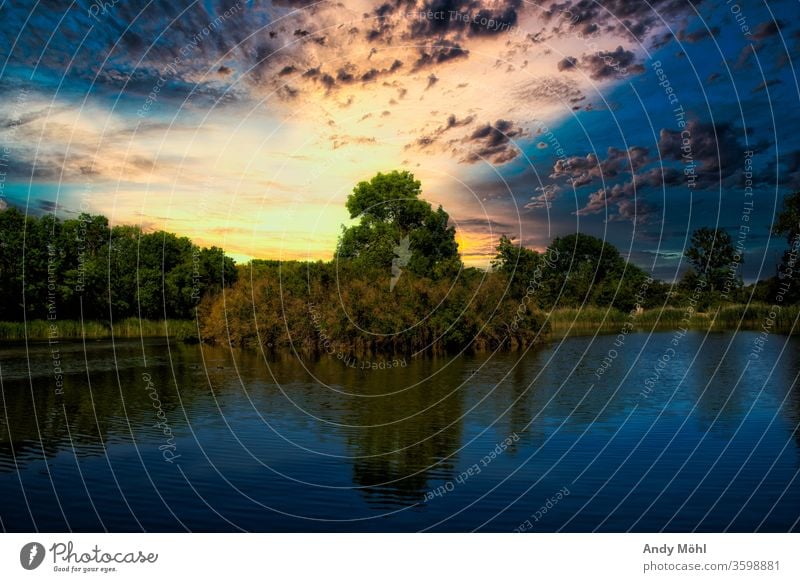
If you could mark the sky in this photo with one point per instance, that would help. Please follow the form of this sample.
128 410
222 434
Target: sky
246 124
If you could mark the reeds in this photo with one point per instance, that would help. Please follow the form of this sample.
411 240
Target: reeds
590 320
184 330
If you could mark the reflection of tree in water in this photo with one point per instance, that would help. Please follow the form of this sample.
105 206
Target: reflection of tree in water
403 454
98 417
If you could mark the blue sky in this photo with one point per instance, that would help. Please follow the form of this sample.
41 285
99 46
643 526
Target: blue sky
246 124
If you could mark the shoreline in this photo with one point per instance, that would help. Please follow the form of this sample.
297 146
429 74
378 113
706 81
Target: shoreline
560 323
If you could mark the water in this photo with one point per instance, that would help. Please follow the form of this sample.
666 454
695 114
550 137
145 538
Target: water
169 437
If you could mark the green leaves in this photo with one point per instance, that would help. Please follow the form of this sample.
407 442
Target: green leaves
84 268
389 209
713 257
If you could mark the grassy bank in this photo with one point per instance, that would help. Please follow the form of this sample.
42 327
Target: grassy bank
184 330
560 322
587 321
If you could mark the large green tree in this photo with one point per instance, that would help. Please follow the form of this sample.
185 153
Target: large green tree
713 258
580 269
392 217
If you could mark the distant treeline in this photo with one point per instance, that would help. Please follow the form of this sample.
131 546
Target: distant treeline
396 284
60 270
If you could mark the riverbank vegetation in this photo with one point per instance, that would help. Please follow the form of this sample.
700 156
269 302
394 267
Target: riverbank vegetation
131 327
83 269
396 284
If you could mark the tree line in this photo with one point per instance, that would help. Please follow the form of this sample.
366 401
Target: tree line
82 268
396 282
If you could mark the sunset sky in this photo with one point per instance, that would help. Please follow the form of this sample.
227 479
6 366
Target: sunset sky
246 125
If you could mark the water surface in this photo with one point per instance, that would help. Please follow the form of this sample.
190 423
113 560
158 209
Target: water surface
161 436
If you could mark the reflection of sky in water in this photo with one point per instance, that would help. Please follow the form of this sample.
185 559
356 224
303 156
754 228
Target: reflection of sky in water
716 435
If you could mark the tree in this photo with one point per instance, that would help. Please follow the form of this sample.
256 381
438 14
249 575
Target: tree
714 259
581 269
521 266
12 230
82 268
787 224
389 209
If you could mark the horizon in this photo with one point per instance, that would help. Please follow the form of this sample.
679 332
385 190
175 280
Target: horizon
245 126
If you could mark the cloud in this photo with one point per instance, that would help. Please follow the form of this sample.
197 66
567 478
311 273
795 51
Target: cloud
567 63
346 84
788 171
438 54
767 29
622 18
624 197
764 84
548 193
716 147
468 17
698 35
583 170
493 143
429 139
610 64
47 205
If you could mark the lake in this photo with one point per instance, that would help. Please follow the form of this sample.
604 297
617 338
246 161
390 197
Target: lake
655 432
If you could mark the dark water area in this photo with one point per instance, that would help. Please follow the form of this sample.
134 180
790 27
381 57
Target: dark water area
701 433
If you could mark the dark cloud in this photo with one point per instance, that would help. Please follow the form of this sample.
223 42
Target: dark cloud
620 17
583 170
492 143
764 84
469 17
136 47
440 53
486 225
788 171
610 64
47 205
567 63
716 148
344 75
451 123
544 198
626 197
767 29
698 35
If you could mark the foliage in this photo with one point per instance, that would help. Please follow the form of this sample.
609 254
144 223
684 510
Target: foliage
343 308
713 258
133 327
787 282
787 223
373 297
583 270
83 269
389 209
